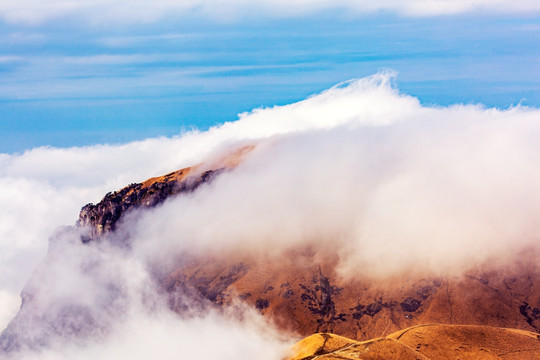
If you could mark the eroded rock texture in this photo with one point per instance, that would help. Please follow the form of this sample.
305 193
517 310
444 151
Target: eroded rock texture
303 293
103 217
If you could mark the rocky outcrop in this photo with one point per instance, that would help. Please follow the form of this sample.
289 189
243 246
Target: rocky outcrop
103 217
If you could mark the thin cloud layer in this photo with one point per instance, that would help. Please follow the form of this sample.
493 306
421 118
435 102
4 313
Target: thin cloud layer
142 11
163 336
393 185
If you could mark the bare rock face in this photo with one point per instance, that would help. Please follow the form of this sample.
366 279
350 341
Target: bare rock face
103 217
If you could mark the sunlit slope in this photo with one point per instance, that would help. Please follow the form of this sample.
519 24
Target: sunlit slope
426 342
303 293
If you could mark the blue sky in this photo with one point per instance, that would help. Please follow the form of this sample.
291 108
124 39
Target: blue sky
74 76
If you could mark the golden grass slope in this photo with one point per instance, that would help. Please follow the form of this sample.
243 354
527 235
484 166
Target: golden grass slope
426 342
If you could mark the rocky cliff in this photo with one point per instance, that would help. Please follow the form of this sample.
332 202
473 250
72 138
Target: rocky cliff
102 218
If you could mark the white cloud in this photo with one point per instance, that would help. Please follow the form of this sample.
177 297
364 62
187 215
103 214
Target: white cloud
9 305
389 182
166 337
123 314
404 188
44 188
101 11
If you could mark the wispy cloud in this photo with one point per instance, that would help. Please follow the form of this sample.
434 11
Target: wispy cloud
118 76
140 11
10 58
128 41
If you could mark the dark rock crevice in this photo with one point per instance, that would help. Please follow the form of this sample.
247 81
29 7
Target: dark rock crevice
532 315
319 300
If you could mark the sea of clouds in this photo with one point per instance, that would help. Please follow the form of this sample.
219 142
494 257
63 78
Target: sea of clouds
360 167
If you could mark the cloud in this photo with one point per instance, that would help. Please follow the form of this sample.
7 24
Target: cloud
165 336
159 338
97 300
362 168
433 189
141 11
152 76
397 185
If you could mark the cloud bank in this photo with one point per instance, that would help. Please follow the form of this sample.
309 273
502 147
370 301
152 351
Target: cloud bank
393 184
87 301
361 168
142 11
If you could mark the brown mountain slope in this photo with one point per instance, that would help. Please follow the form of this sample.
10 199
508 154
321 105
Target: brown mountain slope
426 342
302 292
